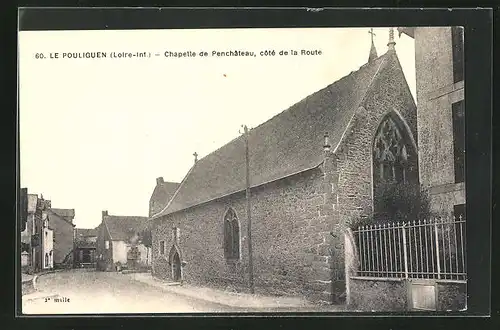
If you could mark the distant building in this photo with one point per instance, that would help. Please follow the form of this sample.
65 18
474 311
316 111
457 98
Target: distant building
47 242
119 243
162 193
439 61
85 247
28 231
61 221
36 238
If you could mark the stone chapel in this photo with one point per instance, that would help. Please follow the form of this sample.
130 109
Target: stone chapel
313 169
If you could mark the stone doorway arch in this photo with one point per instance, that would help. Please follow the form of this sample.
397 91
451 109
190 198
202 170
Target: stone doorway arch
175 262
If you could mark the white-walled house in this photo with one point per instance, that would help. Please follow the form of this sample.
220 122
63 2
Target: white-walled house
119 243
47 243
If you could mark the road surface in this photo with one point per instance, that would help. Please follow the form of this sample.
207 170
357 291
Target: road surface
88 291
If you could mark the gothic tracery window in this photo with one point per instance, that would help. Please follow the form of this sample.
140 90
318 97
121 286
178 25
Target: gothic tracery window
395 165
391 153
231 235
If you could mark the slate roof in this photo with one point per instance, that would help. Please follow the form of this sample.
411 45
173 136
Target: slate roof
122 228
85 232
51 214
289 143
65 213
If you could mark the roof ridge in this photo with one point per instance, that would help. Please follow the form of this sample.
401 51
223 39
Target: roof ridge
362 101
368 72
302 100
61 217
306 98
124 216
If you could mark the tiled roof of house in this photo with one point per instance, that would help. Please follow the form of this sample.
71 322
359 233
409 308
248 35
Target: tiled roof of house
122 228
85 232
287 144
65 213
52 214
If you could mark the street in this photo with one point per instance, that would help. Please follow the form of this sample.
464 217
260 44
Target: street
88 291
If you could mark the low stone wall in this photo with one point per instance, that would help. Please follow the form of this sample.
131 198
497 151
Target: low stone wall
379 295
398 294
27 285
452 296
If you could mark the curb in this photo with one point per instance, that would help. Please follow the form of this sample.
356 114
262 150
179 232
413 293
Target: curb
41 297
28 286
35 276
168 287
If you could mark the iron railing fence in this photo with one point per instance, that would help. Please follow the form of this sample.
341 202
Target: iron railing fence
428 249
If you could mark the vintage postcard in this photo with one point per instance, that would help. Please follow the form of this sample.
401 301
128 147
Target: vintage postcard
242 170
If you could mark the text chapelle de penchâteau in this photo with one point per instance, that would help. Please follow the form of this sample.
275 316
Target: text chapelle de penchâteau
231 53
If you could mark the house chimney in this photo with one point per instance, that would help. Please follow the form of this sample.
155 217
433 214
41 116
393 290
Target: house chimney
104 213
159 180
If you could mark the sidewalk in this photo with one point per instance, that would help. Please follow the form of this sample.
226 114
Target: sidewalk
37 295
29 285
234 299
26 277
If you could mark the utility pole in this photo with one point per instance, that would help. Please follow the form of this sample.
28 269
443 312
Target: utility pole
249 216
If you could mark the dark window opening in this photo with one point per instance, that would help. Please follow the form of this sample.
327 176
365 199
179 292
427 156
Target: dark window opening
459 212
459 140
162 247
457 41
231 236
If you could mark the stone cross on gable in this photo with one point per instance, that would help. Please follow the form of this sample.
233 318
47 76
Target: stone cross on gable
195 156
372 33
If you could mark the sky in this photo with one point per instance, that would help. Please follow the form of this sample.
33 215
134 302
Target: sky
96 133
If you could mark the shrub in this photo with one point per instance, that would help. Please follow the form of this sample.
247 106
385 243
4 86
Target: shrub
396 203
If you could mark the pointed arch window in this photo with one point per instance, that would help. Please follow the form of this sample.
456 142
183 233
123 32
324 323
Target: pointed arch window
231 235
391 154
395 164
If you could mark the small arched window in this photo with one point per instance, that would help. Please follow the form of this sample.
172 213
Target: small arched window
231 235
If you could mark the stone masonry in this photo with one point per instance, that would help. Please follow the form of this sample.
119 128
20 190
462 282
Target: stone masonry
297 221
290 236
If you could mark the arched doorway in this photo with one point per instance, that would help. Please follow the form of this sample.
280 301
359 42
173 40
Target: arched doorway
175 264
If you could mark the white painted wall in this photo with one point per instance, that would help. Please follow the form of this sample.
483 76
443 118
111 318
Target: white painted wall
145 258
48 248
119 252
25 258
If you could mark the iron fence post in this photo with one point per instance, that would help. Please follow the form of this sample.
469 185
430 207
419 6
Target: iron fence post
436 233
404 250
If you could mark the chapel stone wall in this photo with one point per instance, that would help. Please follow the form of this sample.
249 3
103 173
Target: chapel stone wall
354 155
290 231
